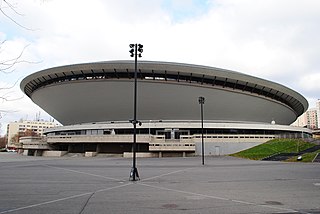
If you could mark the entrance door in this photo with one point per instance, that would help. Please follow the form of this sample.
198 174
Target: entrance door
217 150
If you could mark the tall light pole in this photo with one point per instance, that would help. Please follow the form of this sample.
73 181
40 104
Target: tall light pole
201 102
134 49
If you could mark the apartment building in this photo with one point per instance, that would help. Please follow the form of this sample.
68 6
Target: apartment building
310 119
21 126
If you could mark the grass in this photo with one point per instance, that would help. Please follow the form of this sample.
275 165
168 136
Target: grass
308 157
273 147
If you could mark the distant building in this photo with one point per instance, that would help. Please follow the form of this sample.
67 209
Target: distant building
312 116
318 112
310 119
302 121
21 126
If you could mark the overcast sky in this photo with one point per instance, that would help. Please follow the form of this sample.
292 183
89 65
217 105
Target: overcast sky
278 40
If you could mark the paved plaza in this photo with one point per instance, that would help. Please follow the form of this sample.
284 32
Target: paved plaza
167 185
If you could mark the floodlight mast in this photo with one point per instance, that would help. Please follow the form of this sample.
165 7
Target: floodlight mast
135 51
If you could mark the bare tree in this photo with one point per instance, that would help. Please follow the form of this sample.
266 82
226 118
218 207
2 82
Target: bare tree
3 142
7 65
6 7
16 138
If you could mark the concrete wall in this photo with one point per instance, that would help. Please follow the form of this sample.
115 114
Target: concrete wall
54 153
225 146
90 154
220 148
140 155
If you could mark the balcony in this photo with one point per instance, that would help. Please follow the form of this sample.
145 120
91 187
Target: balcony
159 144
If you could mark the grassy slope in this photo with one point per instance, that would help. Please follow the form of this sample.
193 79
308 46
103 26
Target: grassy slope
273 147
308 157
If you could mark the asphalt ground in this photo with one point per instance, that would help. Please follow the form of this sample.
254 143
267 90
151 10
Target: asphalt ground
167 185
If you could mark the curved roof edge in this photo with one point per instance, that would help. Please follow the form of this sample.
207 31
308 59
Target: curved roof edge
169 66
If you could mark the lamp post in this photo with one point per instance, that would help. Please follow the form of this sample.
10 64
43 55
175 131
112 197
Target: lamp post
134 49
201 102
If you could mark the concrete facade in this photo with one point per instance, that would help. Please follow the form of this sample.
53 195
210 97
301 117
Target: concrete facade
167 138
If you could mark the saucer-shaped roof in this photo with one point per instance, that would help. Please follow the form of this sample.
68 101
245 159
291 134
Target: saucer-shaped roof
103 91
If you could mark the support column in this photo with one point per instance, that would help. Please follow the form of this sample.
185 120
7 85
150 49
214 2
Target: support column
160 154
98 148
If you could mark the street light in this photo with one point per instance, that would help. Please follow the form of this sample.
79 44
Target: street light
201 102
135 51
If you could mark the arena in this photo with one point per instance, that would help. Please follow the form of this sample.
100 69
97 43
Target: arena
94 102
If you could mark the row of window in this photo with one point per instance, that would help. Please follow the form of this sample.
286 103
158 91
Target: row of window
169 144
29 126
83 132
176 133
240 136
34 130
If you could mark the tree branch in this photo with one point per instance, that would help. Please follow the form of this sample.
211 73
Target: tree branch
13 8
10 6
7 65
